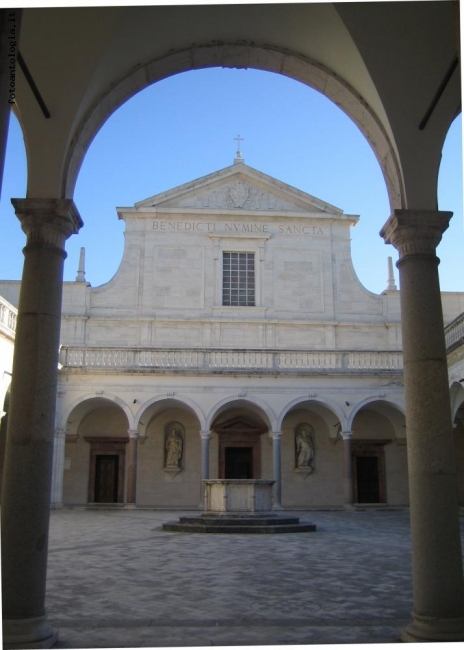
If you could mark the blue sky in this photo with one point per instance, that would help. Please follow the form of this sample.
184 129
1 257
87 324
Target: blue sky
184 127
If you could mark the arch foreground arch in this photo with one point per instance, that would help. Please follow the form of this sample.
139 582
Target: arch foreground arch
402 51
239 55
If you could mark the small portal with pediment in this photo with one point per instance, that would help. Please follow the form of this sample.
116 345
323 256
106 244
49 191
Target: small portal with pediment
240 448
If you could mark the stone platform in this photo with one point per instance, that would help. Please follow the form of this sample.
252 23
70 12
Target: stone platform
254 524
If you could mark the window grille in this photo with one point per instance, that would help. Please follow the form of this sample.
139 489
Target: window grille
238 279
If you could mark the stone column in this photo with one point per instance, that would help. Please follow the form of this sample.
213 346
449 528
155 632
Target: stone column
132 467
205 438
58 468
277 468
438 613
29 447
348 468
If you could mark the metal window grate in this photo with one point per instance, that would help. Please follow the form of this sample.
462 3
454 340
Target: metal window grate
238 279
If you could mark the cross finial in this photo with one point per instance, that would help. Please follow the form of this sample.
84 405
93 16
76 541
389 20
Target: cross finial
238 155
239 151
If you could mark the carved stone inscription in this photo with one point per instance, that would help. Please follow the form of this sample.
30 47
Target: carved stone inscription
237 227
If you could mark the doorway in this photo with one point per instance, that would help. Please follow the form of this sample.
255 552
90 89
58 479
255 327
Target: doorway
239 448
367 479
239 462
106 478
106 469
368 462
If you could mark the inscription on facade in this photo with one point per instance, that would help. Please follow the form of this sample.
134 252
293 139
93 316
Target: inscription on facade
236 228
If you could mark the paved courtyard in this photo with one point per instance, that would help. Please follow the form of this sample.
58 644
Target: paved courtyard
116 579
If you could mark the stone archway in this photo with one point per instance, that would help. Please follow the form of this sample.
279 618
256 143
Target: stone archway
378 455
239 55
95 454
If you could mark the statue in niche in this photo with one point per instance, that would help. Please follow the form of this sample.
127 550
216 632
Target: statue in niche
173 445
304 446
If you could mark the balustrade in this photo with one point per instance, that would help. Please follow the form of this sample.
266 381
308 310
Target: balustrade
231 360
454 332
8 315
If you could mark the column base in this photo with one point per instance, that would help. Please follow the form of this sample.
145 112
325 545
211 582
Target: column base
277 506
28 633
424 629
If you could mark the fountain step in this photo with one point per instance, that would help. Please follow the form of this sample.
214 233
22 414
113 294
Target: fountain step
239 520
239 524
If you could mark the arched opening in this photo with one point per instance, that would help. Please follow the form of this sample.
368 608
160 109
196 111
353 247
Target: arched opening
450 193
312 457
378 455
169 455
240 448
95 460
292 132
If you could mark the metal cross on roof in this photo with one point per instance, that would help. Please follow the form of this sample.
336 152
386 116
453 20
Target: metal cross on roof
239 151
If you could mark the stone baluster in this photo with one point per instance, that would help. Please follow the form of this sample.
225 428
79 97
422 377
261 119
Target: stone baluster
132 467
29 446
58 468
438 613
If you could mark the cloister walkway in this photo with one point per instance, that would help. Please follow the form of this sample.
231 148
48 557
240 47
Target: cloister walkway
115 579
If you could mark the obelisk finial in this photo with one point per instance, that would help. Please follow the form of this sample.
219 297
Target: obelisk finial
81 270
391 285
238 156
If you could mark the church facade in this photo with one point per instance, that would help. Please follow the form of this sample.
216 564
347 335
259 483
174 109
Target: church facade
235 341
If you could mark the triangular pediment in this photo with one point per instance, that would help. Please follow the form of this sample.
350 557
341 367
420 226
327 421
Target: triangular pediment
238 188
240 424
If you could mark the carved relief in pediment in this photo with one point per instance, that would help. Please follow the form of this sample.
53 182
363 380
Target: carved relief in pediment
238 195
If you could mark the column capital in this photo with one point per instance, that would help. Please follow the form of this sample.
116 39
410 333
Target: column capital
275 435
133 434
415 232
346 435
60 433
48 222
205 435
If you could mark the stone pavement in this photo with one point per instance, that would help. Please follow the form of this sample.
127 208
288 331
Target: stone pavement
115 579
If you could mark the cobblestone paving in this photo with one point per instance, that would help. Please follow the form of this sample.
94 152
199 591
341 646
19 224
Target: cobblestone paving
115 579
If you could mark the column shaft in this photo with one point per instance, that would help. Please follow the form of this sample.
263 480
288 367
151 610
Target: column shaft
29 445
348 468
58 468
205 438
437 563
277 467
132 467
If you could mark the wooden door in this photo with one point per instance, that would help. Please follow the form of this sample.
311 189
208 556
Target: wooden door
106 478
